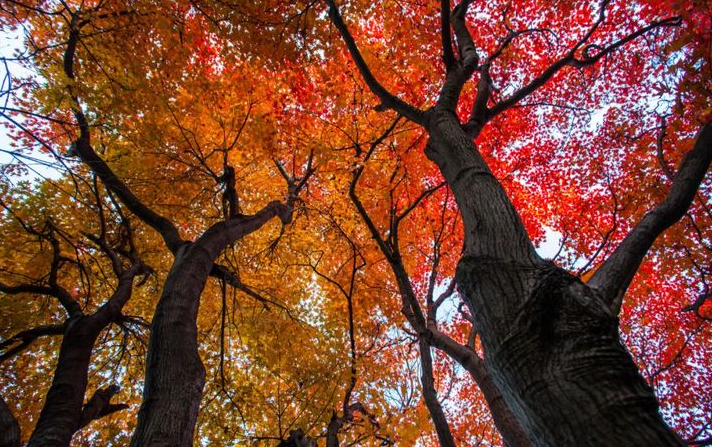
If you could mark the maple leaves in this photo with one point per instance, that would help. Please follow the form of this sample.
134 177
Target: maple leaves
191 104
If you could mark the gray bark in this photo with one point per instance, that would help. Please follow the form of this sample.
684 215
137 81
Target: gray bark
551 343
175 375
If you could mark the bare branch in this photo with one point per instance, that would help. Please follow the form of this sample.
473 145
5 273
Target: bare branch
224 274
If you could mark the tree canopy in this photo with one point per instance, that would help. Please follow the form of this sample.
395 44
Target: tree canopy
240 223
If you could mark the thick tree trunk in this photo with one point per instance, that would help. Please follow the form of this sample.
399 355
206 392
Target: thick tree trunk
551 344
175 375
61 415
9 428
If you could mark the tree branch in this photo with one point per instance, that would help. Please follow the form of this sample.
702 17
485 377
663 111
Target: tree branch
461 72
616 273
26 338
445 36
430 396
569 59
86 153
388 100
99 405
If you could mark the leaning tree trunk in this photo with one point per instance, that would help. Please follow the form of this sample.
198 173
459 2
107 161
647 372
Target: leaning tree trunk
61 415
175 375
550 342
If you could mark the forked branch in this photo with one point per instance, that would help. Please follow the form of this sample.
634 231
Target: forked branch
570 59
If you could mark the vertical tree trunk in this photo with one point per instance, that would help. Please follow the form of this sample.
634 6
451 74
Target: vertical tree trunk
550 342
61 415
175 375
9 428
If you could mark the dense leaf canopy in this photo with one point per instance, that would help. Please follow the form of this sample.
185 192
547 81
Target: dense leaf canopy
207 110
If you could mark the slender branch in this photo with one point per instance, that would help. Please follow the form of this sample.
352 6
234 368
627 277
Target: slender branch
430 395
224 274
445 35
23 339
569 59
388 100
86 152
425 194
590 59
54 289
461 72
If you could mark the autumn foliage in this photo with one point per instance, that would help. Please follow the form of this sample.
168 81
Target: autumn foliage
211 112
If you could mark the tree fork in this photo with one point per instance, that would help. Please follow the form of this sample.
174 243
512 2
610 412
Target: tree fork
550 342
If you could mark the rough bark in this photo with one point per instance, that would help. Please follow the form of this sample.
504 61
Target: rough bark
551 344
9 428
429 335
174 372
62 413
175 375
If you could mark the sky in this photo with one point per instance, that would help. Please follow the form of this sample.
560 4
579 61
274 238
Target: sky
10 44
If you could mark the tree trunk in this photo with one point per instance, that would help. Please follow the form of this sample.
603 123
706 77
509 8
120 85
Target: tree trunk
551 344
9 428
61 415
175 375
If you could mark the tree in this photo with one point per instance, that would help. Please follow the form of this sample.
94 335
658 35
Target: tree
297 339
551 341
64 411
